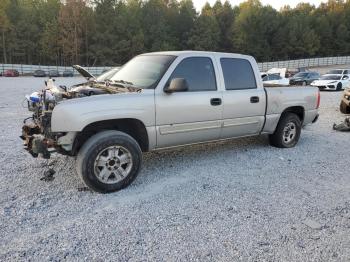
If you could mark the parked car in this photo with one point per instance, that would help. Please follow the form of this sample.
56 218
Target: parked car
304 78
339 72
345 102
39 73
11 73
332 82
54 73
275 80
68 73
161 100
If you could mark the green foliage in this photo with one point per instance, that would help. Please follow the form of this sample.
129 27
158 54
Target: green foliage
110 32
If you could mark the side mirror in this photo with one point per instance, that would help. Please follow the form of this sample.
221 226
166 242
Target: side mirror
176 85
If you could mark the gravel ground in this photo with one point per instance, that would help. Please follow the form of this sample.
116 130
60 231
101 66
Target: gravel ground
230 201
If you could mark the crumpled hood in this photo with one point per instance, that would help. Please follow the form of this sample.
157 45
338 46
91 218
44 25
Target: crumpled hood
81 70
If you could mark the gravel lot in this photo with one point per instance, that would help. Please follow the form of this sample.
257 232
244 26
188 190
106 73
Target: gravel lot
230 201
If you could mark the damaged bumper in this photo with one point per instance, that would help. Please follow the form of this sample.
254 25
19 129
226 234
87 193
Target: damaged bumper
34 142
38 144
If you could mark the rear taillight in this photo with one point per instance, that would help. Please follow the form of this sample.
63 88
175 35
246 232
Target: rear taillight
318 99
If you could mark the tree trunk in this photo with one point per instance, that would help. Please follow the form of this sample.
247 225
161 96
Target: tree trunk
76 43
86 45
4 47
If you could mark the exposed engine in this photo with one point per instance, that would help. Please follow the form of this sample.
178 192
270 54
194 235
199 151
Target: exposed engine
36 131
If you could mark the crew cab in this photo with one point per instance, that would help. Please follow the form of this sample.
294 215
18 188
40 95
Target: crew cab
161 100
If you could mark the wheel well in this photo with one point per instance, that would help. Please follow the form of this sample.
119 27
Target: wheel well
133 127
298 110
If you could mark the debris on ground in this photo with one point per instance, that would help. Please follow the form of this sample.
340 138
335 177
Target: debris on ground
84 189
344 126
48 175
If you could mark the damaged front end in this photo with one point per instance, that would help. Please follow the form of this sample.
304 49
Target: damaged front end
36 130
35 142
39 140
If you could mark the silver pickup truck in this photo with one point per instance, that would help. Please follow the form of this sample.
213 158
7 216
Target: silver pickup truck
161 100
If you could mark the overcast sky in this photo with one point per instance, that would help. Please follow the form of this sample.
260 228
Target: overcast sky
275 3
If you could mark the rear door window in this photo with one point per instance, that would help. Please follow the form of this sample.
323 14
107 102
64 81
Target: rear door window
238 74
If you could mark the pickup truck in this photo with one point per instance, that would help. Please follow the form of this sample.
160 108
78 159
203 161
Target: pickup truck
161 100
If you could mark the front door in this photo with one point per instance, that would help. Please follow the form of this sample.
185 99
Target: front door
194 115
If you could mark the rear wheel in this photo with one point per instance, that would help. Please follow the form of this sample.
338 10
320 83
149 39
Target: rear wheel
109 161
287 132
339 87
344 108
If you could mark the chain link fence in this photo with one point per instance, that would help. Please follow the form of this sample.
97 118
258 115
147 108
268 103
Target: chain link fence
290 64
309 62
29 69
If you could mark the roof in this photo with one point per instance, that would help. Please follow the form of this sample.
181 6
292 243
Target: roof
186 52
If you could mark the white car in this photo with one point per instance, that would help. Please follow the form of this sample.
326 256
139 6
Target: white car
339 72
274 80
332 82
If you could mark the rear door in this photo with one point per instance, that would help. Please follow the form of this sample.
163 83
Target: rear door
194 115
244 101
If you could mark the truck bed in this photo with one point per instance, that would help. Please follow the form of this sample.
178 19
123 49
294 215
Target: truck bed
280 98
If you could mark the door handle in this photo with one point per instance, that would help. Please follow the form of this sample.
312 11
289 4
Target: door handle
254 99
215 101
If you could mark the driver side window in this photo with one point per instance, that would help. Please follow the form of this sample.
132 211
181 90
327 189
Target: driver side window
198 72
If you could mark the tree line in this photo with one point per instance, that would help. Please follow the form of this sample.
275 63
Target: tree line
110 32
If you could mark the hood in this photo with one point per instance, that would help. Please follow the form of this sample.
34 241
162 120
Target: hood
298 78
81 70
324 82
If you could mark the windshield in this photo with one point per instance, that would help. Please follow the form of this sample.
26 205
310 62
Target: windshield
330 77
301 75
107 75
144 71
336 71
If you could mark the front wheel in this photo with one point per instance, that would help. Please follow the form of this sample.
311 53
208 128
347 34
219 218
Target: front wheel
109 161
339 87
287 132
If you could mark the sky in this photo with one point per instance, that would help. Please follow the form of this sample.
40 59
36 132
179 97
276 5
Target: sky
277 4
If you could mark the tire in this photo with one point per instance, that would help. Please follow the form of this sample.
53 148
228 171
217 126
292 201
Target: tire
344 108
109 161
339 87
288 122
